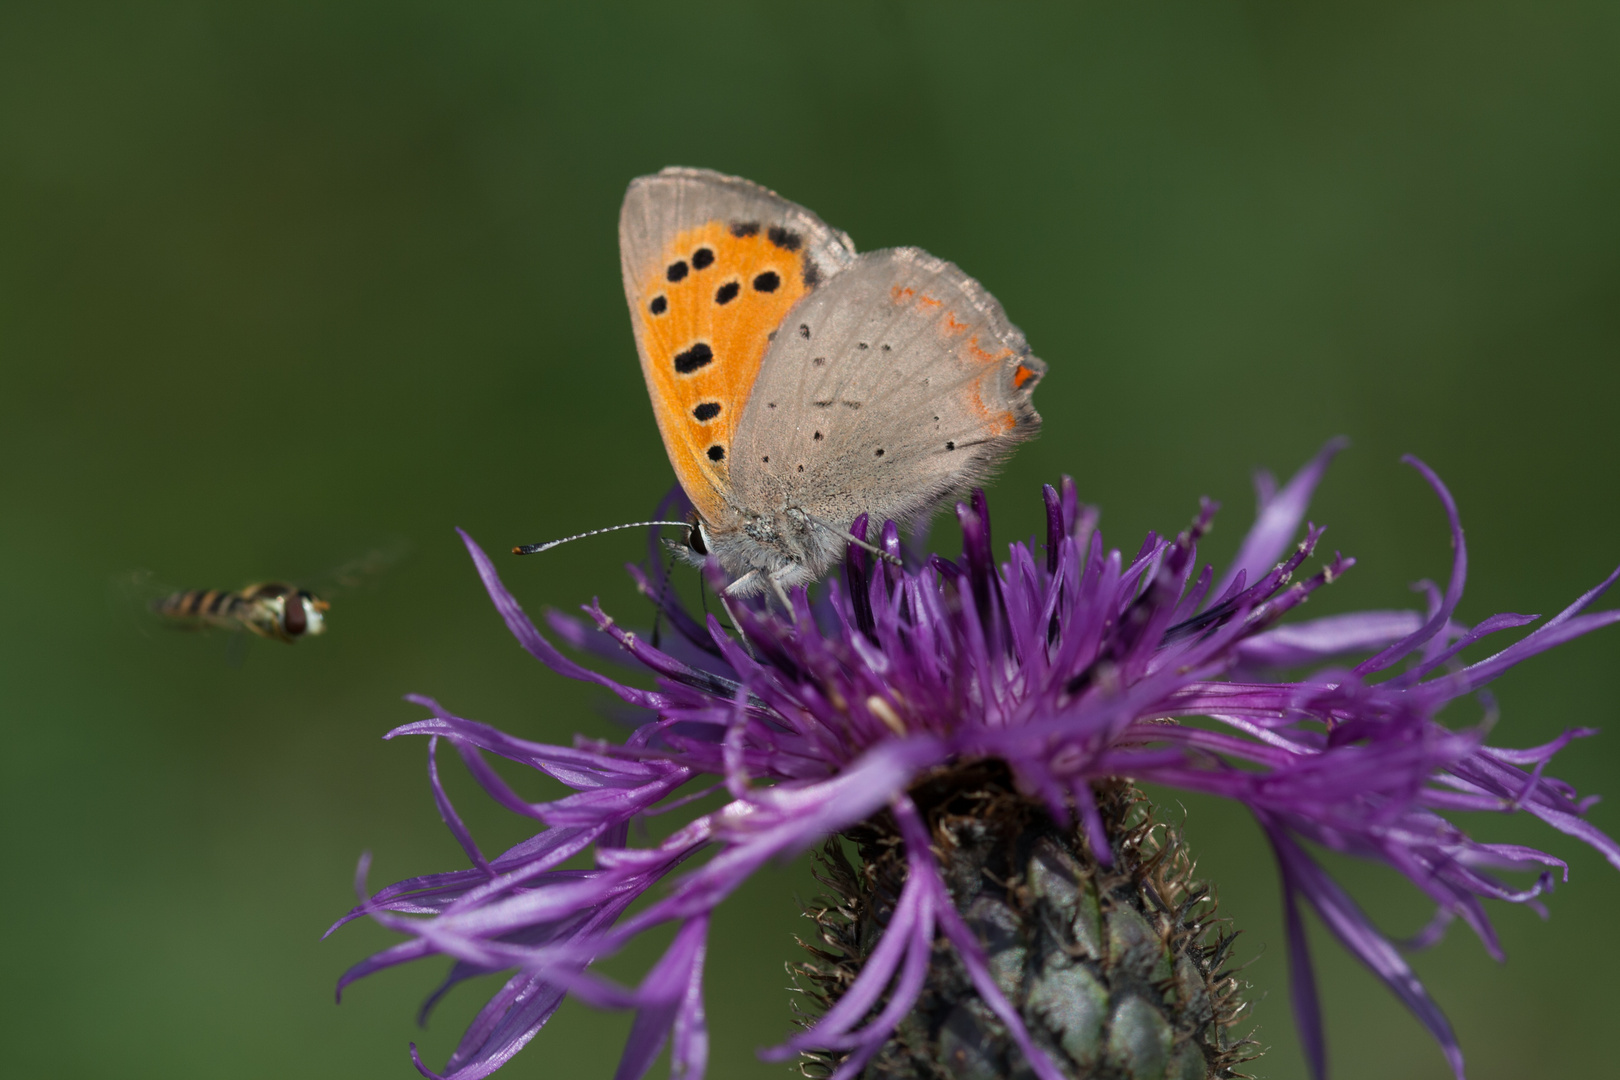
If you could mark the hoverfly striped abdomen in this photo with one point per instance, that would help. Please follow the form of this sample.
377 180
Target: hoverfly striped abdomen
203 604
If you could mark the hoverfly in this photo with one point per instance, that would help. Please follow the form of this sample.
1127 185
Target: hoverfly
271 610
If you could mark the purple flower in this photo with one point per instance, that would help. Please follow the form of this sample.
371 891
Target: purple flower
1071 665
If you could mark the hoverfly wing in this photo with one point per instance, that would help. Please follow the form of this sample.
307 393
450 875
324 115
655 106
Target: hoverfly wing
364 570
139 596
236 649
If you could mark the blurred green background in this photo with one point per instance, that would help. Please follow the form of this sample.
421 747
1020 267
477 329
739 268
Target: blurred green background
281 282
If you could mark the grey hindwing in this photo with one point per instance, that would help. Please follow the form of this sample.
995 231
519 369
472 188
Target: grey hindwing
891 387
659 207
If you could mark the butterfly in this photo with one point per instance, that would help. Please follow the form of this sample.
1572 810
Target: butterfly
798 385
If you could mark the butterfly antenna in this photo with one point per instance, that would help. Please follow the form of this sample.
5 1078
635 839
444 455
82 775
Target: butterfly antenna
844 534
535 549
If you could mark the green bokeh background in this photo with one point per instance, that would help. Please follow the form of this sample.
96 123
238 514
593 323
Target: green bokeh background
281 282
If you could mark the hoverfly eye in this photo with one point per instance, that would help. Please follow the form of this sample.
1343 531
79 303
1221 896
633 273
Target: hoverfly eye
294 620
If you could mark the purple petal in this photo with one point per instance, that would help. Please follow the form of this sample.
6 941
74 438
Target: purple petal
971 953
531 639
1341 915
447 812
1459 574
1279 517
1323 639
1302 983
911 911
662 996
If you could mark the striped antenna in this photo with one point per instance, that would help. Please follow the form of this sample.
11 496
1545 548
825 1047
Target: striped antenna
535 549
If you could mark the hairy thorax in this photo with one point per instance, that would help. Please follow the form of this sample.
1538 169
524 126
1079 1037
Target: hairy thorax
785 546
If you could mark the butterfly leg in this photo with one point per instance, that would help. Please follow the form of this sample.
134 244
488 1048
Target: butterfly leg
742 635
775 581
844 535
743 585
739 588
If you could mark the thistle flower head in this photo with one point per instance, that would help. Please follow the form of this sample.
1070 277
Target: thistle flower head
1069 665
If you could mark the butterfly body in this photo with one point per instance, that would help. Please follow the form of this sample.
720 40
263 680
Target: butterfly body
798 385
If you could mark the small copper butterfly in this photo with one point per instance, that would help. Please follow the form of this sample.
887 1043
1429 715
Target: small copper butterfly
798 385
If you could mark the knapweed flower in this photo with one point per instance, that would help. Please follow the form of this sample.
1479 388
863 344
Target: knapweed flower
967 726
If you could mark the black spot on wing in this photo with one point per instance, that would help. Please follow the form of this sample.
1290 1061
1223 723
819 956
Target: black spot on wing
676 270
707 411
692 359
717 453
658 306
702 258
726 293
745 228
811 275
804 331
786 239
767 282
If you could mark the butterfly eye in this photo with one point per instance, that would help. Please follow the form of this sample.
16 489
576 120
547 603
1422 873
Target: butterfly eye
696 536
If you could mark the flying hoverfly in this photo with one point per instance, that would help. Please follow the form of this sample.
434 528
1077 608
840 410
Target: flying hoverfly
271 610
274 609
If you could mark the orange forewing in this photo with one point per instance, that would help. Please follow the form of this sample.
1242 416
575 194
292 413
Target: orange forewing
706 321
